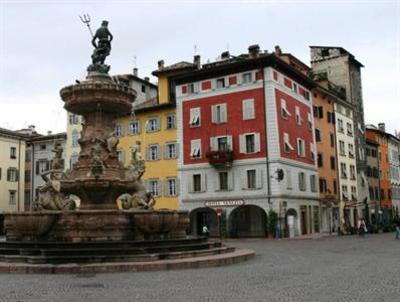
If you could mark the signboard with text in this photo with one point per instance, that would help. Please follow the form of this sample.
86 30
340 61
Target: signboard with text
224 203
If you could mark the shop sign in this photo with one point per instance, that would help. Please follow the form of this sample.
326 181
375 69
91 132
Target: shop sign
224 203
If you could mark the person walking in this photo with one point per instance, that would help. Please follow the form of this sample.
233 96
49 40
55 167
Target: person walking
362 228
205 231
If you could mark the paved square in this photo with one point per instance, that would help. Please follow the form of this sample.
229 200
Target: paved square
328 269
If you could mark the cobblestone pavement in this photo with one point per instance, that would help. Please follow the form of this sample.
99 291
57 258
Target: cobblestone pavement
328 269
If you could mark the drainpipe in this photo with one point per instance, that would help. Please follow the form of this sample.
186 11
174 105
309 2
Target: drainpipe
19 172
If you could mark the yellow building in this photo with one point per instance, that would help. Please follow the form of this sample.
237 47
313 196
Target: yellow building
152 131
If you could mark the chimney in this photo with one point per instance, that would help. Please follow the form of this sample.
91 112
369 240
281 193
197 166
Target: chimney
225 55
135 72
278 50
146 79
254 50
160 64
196 61
381 127
49 132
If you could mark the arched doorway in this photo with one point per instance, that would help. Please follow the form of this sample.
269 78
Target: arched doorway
291 220
247 221
203 216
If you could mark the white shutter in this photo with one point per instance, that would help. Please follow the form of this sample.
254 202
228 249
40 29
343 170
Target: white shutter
176 150
177 185
257 142
138 127
230 180
159 150
258 178
148 153
230 142
242 143
165 153
213 113
190 184
248 109
243 179
160 188
213 143
224 115
203 181
165 187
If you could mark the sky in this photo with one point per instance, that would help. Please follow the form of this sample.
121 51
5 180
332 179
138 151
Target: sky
44 46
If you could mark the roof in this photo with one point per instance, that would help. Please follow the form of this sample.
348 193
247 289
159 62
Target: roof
241 63
61 135
130 76
342 52
14 134
383 133
180 66
151 105
371 142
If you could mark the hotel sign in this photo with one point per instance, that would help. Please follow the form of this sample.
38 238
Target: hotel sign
224 203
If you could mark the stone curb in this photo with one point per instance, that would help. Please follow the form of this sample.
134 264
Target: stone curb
239 255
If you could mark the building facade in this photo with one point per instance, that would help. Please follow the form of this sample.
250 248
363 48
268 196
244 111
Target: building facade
394 171
12 170
373 208
246 137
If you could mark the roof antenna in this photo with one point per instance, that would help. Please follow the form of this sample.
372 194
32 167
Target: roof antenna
195 49
134 62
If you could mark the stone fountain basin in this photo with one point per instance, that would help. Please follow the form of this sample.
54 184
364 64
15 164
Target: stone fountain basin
30 225
154 221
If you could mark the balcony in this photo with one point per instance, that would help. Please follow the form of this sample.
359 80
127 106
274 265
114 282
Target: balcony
220 158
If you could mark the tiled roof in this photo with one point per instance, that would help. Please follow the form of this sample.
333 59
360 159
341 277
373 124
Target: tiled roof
177 66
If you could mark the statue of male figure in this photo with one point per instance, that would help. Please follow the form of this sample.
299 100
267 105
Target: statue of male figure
103 47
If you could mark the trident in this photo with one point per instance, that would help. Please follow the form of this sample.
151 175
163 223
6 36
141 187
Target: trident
86 20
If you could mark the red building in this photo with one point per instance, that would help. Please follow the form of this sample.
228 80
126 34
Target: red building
247 145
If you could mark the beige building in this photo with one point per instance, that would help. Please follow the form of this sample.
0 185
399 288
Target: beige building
12 170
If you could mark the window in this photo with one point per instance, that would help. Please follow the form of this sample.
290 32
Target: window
195 148
331 117
197 183
340 126
170 151
219 113
349 129
250 143
13 152
353 193
134 127
246 77
335 187
171 187
248 109
352 172
120 154
320 160
153 152
342 149
313 183
302 181
312 151
194 88
153 124
42 147
288 174
322 185
309 119
75 138
194 117
73 160
294 87
343 170
288 146
222 144
301 148
12 174
317 135
318 111
223 181
298 116
251 179
351 150
154 187
284 111
118 130
12 200
171 121
332 138
73 119
333 163
42 165
220 83
345 193
143 89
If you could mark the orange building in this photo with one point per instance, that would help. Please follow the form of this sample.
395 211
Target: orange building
379 136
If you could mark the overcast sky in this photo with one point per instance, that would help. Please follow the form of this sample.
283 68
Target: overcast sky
44 46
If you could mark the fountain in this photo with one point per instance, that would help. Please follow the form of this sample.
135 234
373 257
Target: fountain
57 234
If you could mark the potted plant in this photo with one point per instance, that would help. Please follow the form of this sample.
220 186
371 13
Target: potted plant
272 223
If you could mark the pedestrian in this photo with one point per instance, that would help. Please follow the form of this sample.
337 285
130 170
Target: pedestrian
398 228
205 231
362 228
